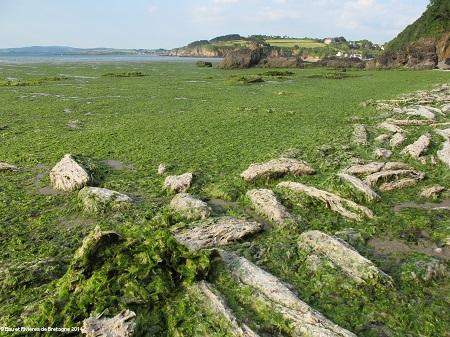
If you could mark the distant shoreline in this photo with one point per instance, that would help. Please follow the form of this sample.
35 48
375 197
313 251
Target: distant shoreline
20 59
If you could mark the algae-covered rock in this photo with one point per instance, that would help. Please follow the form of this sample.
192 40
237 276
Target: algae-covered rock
179 183
216 232
266 203
421 268
100 200
343 256
189 207
275 167
8 167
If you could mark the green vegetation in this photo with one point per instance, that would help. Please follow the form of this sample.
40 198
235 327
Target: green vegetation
125 74
29 82
204 64
432 24
194 119
291 43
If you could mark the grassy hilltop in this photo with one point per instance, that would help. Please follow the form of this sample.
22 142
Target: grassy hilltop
214 123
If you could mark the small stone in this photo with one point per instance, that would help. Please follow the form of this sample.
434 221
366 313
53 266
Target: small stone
360 134
161 169
397 140
189 207
179 183
121 325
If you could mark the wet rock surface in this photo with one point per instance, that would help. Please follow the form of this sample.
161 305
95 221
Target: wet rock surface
265 203
100 200
69 175
189 207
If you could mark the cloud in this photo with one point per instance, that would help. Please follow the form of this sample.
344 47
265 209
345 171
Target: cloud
152 8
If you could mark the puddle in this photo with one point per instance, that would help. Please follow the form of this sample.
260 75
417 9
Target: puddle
221 205
444 205
394 247
116 165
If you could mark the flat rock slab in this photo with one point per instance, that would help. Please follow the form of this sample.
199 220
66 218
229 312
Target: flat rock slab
360 186
343 256
360 134
218 305
391 127
179 183
121 325
276 167
189 207
265 202
345 207
8 167
216 232
99 200
444 153
69 175
417 148
421 111
305 320
374 167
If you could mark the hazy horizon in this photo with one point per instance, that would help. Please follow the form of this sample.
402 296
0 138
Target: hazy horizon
153 24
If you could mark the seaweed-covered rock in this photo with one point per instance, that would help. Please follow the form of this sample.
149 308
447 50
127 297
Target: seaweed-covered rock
189 207
343 256
360 186
179 183
69 174
417 148
216 232
281 299
360 134
422 269
266 203
276 167
381 153
432 191
121 325
100 200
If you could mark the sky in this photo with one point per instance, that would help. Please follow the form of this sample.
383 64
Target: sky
173 23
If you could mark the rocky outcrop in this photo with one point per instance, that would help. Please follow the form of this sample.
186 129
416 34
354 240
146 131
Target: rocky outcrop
199 51
304 320
69 175
179 183
100 200
121 325
444 153
345 207
216 232
189 207
339 62
276 167
419 55
266 203
343 256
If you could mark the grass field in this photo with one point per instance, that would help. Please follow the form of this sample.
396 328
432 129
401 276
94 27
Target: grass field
200 120
290 43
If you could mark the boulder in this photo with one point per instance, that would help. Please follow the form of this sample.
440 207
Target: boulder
179 183
422 269
391 127
121 325
70 175
282 62
373 178
304 320
374 167
266 203
100 200
277 167
189 207
417 148
8 167
242 58
345 207
342 62
444 153
215 232
343 256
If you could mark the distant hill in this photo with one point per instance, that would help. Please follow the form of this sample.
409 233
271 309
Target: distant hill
62 50
425 44
433 24
308 48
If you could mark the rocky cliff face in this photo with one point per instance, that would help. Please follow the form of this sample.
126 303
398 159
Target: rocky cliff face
199 51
